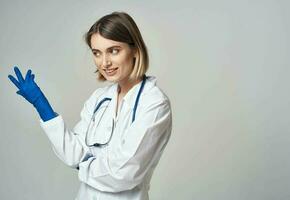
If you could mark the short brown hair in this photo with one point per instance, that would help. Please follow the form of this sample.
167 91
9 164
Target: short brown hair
120 27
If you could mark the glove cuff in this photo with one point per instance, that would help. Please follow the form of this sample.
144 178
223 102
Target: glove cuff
43 108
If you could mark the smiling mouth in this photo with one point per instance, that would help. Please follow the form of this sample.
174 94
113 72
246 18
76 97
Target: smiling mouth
111 70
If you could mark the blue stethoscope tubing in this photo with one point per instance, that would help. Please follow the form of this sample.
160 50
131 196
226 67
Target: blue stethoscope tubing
134 109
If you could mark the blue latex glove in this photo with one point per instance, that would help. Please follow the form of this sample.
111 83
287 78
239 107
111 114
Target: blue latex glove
32 93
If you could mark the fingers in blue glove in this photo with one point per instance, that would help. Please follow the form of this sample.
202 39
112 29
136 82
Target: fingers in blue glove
20 93
87 156
18 83
32 93
14 81
27 87
19 75
32 78
28 74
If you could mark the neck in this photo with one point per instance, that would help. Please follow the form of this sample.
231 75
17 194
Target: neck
125 86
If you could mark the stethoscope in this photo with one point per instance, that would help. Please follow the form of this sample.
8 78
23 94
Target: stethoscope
109 99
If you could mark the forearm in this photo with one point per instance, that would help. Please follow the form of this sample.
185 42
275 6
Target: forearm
65 143
67 146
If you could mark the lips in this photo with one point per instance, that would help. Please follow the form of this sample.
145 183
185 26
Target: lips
111 70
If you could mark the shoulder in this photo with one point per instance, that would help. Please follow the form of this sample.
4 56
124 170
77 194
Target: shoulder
95 95
100 91
153 94
154 104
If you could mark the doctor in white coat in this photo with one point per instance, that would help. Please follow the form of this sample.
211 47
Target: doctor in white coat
124 127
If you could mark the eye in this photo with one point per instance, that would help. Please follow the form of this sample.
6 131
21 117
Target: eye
115 51
96 53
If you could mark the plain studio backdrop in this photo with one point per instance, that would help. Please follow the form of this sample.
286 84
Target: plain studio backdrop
224 65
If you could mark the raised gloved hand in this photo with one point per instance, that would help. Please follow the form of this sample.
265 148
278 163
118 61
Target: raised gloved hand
32 93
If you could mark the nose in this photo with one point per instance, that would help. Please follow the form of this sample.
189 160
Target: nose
106 61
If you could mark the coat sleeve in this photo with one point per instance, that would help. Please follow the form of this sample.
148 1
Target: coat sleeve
127 164
68 144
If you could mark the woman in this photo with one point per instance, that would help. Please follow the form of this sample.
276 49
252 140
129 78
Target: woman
124 126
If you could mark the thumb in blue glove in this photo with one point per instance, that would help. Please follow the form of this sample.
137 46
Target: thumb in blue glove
32 93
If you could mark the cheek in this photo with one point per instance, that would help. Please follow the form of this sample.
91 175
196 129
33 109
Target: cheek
124 62
97 62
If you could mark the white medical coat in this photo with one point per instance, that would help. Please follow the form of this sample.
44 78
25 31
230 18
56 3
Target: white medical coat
122 169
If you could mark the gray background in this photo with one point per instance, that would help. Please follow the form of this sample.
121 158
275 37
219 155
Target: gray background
224 65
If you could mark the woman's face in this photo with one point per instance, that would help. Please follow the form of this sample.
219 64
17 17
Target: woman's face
113 59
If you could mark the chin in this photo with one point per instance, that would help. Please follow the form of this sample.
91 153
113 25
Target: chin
112 78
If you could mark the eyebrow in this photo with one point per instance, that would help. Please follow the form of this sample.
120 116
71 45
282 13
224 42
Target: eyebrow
108 48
